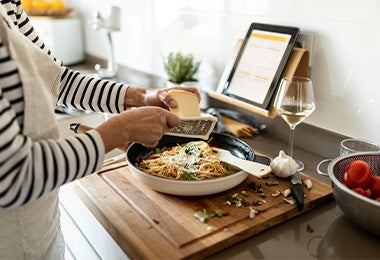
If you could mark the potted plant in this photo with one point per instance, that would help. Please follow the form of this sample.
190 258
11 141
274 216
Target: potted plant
181 68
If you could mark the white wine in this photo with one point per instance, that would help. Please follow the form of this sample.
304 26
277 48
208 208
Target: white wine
294 102
294 115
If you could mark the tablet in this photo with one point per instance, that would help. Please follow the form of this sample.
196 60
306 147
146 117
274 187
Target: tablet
260 62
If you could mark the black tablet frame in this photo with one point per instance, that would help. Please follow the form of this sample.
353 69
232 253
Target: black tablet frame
288 30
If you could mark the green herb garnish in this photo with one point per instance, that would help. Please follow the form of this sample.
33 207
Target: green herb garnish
190 176
192 148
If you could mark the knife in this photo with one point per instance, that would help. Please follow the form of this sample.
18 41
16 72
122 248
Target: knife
297 190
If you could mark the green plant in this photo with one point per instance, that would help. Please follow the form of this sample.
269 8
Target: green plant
181 68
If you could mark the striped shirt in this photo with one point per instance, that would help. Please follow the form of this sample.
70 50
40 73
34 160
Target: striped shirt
29 169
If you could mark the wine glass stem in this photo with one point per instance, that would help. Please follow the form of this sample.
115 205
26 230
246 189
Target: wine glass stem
291 139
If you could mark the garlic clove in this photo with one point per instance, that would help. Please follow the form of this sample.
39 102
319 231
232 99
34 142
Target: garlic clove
307 183
287 192
283 165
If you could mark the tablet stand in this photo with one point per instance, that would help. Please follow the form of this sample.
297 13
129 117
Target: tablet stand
297 65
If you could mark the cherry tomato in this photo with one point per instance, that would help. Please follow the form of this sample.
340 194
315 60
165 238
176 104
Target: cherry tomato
367 192
374 185
357 174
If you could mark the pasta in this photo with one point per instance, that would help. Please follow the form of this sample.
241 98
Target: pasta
191 161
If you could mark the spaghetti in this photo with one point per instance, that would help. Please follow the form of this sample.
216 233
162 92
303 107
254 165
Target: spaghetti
190 161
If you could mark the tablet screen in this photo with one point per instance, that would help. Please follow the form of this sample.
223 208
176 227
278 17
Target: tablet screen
260 63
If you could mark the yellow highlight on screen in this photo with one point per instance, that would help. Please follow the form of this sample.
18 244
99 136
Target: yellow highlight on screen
261 77
274 49
244 72
269 37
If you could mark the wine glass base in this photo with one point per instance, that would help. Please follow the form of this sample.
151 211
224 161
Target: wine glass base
300 166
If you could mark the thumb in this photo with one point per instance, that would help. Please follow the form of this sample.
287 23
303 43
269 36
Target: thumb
172 119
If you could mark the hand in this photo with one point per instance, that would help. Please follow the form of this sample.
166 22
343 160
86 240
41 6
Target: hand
84 128
137 97
162 99
144 125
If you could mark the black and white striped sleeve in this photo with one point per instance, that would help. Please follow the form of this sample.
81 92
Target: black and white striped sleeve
86 92
30 169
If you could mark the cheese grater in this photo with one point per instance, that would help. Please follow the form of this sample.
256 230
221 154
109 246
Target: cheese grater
194 127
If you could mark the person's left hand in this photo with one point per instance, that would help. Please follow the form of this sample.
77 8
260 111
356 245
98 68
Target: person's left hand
161 98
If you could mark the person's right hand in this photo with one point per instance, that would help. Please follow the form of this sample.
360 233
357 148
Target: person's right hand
144 125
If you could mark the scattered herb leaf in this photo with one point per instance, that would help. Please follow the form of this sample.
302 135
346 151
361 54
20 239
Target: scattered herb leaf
309 229
256 187
271 183
244 193
204 217
157 150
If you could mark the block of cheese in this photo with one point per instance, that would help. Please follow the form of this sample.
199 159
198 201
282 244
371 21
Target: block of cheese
187 103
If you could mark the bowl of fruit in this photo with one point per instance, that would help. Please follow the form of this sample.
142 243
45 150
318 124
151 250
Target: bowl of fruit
356 188
46 8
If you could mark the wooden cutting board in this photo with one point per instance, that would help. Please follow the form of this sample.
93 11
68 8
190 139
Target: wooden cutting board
184 235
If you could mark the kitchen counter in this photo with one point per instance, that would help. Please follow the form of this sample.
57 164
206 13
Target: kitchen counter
321 233
331 234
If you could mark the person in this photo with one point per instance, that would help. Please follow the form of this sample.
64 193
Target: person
34 162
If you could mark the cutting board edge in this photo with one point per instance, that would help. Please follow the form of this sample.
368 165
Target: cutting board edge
245 233
194 251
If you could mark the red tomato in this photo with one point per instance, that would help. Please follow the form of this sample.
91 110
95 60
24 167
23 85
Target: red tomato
357 174
377 199
367 193
374 185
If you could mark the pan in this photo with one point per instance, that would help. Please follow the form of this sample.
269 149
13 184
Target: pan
137 152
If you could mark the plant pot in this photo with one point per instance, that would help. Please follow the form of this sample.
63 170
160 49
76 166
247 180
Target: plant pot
191 84
196 84
170 84
204 96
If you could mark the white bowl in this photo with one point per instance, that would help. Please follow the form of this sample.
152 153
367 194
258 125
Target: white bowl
188 188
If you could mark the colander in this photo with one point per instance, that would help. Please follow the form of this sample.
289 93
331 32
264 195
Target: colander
362 211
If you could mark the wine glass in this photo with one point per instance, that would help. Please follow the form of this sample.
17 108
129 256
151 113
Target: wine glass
294 102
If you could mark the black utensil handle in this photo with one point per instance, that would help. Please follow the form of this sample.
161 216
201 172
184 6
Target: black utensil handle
297 191
262 159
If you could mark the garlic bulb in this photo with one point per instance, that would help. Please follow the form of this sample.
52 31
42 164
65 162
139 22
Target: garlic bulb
283 165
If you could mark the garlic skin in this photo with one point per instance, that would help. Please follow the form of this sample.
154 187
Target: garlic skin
283 165
287 192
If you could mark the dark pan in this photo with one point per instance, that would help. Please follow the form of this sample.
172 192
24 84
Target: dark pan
137 152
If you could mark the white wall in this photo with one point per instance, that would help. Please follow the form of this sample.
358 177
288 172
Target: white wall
345 60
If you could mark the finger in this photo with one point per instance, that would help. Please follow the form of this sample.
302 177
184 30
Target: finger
193 90
151 144
172 120
168 100
171 103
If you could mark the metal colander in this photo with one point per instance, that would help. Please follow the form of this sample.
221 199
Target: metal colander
360 210
373 160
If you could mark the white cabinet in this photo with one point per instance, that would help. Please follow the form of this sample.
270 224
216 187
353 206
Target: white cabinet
63 36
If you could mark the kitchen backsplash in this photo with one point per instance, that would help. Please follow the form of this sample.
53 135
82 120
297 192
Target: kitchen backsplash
345 55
